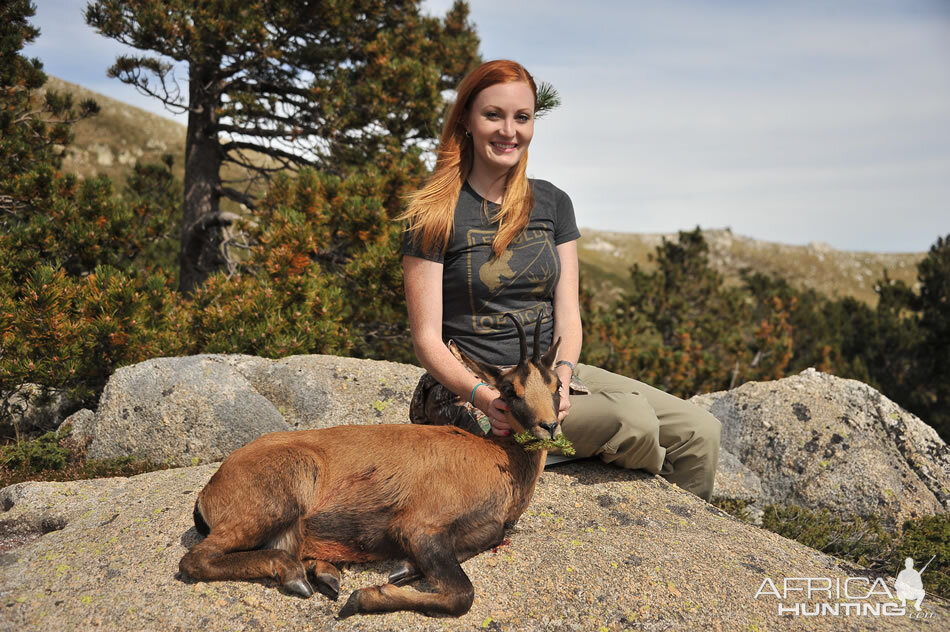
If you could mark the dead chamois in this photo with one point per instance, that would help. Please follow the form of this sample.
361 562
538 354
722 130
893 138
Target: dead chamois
291 505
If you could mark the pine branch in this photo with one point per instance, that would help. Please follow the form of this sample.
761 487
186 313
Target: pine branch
237 196
260 132
129 70
547 100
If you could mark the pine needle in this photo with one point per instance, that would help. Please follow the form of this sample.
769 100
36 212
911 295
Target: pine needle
548 99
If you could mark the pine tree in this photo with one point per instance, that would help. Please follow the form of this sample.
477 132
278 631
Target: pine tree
32 131
76 300
678 328
280 84
931 389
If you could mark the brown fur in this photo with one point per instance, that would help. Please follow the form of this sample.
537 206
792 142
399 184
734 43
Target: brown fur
289 505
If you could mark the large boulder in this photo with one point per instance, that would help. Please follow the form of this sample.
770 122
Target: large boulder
199 409
598 549
31 408
820 441
812 439
735 481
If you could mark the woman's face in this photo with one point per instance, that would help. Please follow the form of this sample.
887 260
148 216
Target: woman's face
501 121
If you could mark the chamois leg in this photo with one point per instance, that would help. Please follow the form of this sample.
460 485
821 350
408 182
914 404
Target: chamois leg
224 554
405 574
325 577
469 545
435 558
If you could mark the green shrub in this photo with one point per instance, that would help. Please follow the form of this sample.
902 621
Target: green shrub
323 276
46 452
55 456
71 334
863 540
734 507
921 539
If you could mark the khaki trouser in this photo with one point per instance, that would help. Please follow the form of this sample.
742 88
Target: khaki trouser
636 426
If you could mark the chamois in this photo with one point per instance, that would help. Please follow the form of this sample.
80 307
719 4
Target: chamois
290 505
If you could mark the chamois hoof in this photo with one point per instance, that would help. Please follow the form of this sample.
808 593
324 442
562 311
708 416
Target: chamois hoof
299 587
405 574
351 607
327 585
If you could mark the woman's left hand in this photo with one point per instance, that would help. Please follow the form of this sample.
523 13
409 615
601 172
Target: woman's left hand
565 391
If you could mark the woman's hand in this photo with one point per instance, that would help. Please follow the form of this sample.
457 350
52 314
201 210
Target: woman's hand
565 406
489 401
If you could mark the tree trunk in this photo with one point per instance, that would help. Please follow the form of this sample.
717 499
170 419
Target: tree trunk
198 257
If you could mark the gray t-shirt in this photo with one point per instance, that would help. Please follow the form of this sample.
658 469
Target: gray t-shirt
477 289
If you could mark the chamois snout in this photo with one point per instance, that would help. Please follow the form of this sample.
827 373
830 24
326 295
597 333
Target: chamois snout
553 429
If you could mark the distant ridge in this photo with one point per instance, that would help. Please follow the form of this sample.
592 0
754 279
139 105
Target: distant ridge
120 135
606 258
110 144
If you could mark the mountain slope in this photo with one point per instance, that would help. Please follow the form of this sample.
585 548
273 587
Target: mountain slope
606 258
111 142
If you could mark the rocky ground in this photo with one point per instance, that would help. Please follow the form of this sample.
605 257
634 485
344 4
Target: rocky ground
598 549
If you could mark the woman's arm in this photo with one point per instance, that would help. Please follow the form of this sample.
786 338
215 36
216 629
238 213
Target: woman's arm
423 281
567 318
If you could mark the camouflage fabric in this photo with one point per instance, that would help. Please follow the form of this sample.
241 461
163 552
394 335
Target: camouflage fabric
433 404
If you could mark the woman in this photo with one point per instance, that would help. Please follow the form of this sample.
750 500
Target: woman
483 241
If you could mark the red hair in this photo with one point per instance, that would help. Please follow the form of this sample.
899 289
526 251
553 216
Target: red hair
431 209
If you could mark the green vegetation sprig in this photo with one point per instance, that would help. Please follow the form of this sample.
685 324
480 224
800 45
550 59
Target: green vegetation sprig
548 99
530 443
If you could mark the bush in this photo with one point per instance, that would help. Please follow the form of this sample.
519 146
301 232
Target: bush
323 276
863 540
921 539
43 453
55 456
70 334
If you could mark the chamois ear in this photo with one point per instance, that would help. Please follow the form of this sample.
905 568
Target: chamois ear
488 372
548 359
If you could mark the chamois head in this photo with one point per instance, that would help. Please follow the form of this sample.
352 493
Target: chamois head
530 388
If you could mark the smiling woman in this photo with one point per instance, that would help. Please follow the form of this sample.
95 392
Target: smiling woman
501 125
485 244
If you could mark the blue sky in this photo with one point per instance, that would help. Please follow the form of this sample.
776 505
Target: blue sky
790 121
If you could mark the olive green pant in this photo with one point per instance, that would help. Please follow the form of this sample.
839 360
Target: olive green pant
636 426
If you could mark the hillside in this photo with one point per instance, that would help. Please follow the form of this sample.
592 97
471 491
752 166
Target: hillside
606 258
110 143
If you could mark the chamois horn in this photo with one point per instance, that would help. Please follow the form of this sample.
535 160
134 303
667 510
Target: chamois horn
536 356
521 338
